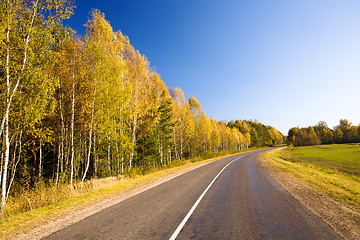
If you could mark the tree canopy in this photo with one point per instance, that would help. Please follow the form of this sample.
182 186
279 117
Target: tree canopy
345 132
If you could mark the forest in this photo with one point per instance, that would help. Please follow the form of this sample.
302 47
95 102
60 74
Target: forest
345 132
75 107
260 134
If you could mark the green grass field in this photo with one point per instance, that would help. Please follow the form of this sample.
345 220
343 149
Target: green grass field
344 158
332 169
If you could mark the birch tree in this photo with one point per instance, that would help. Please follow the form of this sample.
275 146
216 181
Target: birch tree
109 71
25 22
138 75
215 135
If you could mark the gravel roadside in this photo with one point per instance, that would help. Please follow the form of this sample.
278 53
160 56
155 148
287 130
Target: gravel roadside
341 218
53 224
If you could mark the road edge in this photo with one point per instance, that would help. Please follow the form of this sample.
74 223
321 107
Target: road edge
335 214
51 225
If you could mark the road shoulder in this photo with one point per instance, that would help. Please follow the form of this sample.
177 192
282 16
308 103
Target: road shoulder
341 218
52 224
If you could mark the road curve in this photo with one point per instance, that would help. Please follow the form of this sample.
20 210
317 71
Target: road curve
244 202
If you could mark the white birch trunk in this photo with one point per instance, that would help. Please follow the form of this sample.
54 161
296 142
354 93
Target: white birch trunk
15 165
133 141
2 166
13 91
175 145
72 128
40 163
58 164
90 135
122 125
6 163
118 159
181 137
10 94
5 122
95 157
134 123
169 156
109 162
88 156
60 167
160 151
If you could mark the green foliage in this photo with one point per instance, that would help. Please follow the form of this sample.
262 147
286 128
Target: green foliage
165 127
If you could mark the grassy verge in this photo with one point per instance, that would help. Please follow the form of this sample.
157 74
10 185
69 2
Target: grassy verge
332 169
83 195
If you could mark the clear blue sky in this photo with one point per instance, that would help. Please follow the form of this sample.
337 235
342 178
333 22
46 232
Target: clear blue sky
285 63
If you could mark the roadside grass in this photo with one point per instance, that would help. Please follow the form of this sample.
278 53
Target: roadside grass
344 158
332 169
30 209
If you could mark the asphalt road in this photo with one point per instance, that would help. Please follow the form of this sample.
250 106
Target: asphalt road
243 202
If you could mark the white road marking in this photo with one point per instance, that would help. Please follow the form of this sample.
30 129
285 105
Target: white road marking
182 224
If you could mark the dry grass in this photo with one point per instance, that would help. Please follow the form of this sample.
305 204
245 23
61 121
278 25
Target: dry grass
332 194
337 184
35 208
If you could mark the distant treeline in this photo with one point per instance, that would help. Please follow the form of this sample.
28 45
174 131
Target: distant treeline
345 132
81 107
260 134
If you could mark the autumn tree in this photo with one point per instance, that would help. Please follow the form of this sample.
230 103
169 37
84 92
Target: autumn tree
184 128
80 107
70 71
25 45
345 132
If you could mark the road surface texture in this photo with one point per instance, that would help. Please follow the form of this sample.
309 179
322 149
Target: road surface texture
243 202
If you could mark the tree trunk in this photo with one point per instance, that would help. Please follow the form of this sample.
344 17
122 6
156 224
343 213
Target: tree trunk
90 135
6 117
175 145
72 128
95 157
6 163
134 123
2 166
160 150
58 165
40 163
181 146
133 142
108 156
13 91
10 94
15 164
88 156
